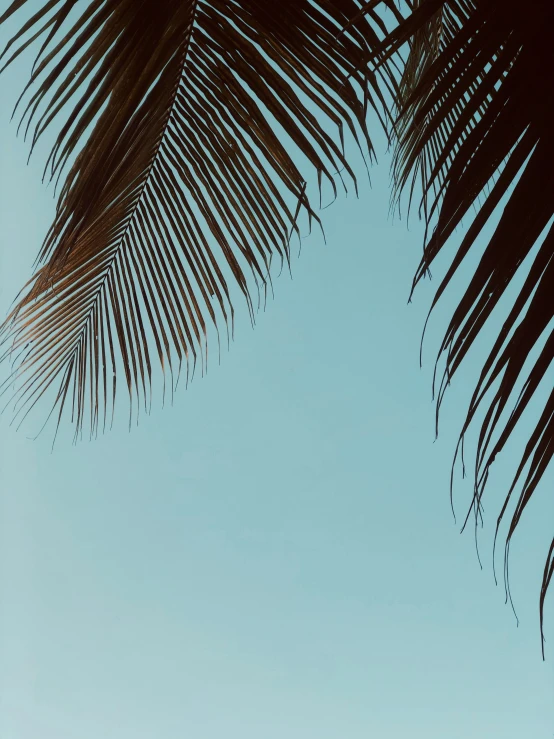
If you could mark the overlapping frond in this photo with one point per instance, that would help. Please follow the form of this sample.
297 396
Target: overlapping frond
412 162
190 111
476 116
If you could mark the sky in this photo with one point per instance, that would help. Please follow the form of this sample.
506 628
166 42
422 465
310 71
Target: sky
275 554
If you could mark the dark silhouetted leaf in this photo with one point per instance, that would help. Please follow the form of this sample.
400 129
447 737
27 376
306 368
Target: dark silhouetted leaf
188 113
475 117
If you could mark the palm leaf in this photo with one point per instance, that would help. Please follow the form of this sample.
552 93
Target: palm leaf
411 162
474 122
178 180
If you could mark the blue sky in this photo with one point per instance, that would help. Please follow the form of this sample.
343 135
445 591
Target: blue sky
275 555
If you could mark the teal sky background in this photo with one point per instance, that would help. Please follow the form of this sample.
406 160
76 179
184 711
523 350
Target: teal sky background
274 555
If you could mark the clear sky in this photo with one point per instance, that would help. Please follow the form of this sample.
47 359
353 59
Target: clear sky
273 556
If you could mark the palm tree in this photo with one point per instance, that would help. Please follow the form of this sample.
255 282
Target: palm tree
189 125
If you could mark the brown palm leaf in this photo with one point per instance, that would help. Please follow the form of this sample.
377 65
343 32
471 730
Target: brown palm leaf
475 116
182 179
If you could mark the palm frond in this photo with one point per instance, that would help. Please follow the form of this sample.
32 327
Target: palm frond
411 162
182 179
475 121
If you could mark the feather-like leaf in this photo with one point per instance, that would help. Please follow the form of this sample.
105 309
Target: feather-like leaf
183 180
475 121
